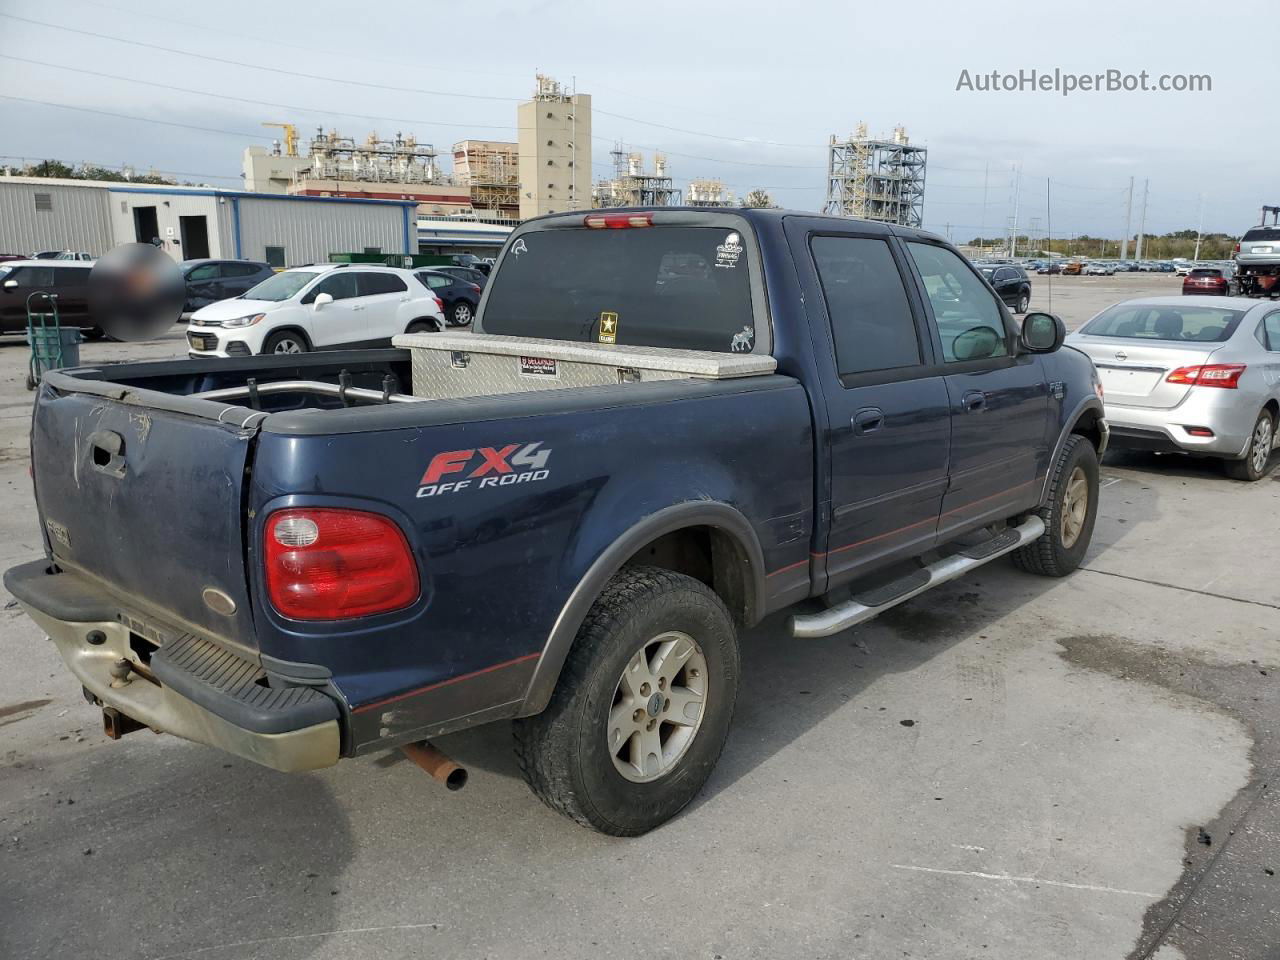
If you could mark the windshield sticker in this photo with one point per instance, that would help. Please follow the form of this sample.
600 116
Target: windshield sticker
743 341
544 368
608 327
484 468
518 248
730 252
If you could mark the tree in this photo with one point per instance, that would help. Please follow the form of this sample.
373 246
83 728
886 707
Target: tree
758 198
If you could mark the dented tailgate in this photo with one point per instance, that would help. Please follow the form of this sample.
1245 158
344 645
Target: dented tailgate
147 501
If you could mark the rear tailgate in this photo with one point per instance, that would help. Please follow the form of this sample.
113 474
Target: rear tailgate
147 501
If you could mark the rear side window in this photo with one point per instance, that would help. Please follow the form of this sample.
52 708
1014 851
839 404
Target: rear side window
871 322
71 277
206 271
665 286
967 315
1269 332
240 269
372 284
435 281
1149 322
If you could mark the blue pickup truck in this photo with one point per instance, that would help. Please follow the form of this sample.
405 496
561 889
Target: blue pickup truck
667 425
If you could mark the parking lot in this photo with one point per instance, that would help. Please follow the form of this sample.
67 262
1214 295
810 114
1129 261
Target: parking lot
1006 767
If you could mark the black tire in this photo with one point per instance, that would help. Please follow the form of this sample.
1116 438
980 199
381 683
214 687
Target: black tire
1024 301
285 341
462 314
92 333
1253 466
424 326
1049 555
563 751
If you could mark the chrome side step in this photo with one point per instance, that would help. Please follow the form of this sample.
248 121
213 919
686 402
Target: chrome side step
858 610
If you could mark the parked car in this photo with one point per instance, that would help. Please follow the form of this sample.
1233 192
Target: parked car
314 308
1190 375
1205 281
469 274
472 261
460 297
209 281
5 257
1099 269
61 255
19 279
1184 267
1050 268
629 485
1257 261
1073 268
1011 284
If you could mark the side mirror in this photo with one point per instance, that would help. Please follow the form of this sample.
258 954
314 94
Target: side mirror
1042 332
11 284
321 299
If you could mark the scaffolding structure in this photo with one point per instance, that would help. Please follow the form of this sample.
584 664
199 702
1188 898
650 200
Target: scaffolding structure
491 170
704 192
876 179
633 186
402 160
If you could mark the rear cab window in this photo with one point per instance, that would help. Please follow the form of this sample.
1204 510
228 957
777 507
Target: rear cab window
667 285
1165 322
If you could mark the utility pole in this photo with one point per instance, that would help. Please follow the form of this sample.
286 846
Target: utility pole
1013 238
1128 219
982 228
1199 228
1142 220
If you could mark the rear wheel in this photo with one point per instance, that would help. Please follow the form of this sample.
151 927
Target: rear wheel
461 314
1068 514
1024 301
424 326
1254 465
642 706
285 341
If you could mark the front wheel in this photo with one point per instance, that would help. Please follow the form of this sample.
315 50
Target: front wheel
286 341
1024 301
1254 465
1069 512
642 707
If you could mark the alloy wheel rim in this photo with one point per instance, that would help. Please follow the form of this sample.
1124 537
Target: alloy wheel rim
463 313
1261 444
658 706
1075 507
287 346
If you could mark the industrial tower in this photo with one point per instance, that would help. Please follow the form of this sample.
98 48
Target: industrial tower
876 179
633 186
555 150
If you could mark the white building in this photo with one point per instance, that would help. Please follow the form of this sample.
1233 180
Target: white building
38 213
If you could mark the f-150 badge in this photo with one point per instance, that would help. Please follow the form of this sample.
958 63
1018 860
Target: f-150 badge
485 467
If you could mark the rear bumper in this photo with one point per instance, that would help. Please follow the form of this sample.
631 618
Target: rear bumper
1165 430
190 687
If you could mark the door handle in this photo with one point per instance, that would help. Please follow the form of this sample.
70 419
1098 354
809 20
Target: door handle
867 420
975 401
106 453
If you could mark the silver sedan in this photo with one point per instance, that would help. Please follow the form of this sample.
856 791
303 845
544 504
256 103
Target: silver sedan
1198 375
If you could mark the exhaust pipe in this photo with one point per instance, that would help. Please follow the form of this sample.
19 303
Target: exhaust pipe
437 764
116 724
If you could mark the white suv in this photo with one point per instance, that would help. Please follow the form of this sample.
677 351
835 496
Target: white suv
313 308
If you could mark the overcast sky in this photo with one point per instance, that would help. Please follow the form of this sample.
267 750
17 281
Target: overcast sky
754 91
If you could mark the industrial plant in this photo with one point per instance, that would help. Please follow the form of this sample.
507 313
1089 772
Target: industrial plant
876 179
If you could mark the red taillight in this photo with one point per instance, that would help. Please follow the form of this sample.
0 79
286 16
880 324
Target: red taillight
1199 431
1225 375
439 303
332 564
475 288
1237 249
618 221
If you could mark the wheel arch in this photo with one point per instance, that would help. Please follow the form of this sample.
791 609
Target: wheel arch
710 541
431 320
289 328
1088 419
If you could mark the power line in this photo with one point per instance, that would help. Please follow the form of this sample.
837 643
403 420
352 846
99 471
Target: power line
125 116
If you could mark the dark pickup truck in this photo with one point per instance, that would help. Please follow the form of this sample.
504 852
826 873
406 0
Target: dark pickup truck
667 425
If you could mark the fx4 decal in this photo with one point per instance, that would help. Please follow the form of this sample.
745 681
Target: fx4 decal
485 467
